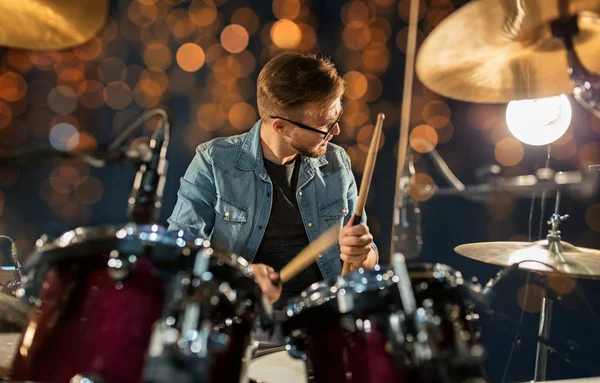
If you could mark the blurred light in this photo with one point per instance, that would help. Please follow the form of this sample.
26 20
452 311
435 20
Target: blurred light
438 11
309 37
378 36
374 89
90 50
111 69
356 85
70 71
67 174
589 154
445 133
117 95
529 297
132 74
180 24
286 9
12 86
181 82
8 176
384 3
89 190
141 14
539 121
483 117
209 117
148 2
147 93
242 116
564 148
364 137
109 32
61 136
68 119
245 88
376 59
203 12
213 53
62 100
561 284
157 56
438 111
509 152
19 60
356 14
286 34
421 187
15 134
234 38
91 94
423 138
160 78
247 18
404 9
190 57
500 205
356 38
85 142
42 60
155 32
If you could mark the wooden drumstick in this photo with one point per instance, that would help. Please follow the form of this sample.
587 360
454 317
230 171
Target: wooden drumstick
366 179
309 254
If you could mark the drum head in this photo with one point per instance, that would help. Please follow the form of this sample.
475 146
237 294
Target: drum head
277 367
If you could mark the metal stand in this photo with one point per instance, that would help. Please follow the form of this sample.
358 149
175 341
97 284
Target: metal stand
541 355
556 248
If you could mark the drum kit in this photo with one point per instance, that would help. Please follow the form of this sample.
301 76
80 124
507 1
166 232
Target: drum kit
136 303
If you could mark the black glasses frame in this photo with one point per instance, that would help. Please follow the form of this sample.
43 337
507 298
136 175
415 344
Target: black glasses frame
325 134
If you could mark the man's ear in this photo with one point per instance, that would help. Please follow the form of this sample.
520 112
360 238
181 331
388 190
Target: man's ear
278 126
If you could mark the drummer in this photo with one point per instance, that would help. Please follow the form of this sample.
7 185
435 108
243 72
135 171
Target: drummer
267 193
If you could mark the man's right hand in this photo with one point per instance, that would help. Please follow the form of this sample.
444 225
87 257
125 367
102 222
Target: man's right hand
265 276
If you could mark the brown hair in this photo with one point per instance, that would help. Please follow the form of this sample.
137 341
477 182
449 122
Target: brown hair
292 79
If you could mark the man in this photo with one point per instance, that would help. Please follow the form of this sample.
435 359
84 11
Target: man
267 193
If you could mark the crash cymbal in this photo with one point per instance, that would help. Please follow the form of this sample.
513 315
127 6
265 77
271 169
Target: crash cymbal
496 51
563 256
50 24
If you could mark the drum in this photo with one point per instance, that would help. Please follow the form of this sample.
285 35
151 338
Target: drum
277 366
100 293
354 329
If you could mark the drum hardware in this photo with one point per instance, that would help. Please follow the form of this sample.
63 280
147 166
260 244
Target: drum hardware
52 24
14 284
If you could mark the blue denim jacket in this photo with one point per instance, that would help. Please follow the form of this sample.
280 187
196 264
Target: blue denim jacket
226 196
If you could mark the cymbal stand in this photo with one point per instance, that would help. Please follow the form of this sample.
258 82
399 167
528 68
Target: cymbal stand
555 247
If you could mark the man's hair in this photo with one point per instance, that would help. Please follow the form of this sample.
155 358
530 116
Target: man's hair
292 79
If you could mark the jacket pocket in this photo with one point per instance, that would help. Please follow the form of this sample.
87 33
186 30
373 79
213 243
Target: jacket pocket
230 212
335 209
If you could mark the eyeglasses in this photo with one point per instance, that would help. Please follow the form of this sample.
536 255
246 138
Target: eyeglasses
325 134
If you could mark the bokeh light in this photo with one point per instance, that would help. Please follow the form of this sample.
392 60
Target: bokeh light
6 115
286 34
421 187
529 297
423 138
589 154
12 86
64 136
190 57
157 56
509 152
117 95
356 85
286 9
242 116
89 190
90 50
111 69
247 18
203 12
62 100
91 94
234 38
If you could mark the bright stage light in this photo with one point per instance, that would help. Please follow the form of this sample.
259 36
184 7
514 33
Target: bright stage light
540 121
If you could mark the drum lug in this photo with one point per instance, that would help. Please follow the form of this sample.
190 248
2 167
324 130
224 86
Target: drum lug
295 345
84 379
120 266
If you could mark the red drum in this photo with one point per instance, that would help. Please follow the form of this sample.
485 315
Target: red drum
355 330
99 294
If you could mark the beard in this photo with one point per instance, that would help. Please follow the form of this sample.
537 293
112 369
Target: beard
313 152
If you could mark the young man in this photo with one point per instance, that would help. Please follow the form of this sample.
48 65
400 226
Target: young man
267 193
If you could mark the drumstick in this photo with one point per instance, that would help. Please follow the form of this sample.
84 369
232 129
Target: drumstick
309 254
366 179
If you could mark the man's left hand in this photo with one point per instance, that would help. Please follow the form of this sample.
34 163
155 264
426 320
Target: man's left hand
355 246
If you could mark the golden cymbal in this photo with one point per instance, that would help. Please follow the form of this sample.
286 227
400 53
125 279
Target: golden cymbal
562 256
50 24
496 51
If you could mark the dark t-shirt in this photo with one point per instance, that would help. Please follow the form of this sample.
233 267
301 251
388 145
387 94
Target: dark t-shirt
285 235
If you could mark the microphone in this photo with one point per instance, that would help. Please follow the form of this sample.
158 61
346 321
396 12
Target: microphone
145 200
407 217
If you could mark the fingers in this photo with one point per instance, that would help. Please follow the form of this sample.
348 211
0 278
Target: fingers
356 260
264 276
361 240
359 229
355 250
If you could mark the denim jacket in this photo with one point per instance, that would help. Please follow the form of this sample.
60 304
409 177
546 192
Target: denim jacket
226 196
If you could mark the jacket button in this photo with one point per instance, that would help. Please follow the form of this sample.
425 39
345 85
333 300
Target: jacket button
260 228
226 214
310 224
268 194
300 193
344 211
320 256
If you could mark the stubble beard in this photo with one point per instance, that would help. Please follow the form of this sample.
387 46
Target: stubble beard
313 152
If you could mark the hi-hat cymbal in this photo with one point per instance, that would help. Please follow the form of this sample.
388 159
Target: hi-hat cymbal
50 24
563 256
496 51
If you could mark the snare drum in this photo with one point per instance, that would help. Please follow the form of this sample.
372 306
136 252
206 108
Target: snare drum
354 330
277 366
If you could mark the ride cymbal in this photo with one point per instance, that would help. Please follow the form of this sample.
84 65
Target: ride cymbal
496 51
50 24
562 256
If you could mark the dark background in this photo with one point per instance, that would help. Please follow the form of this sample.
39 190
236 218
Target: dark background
133 65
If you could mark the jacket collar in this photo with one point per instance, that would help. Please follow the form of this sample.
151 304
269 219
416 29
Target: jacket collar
251 157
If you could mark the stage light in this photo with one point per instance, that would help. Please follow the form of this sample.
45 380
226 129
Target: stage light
540 121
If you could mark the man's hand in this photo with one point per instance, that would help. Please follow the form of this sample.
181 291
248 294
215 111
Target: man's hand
355 246
264 276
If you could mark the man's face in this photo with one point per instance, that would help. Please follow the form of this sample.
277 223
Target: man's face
312 144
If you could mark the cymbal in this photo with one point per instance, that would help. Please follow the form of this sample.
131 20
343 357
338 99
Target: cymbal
50 24
566 258
496 51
